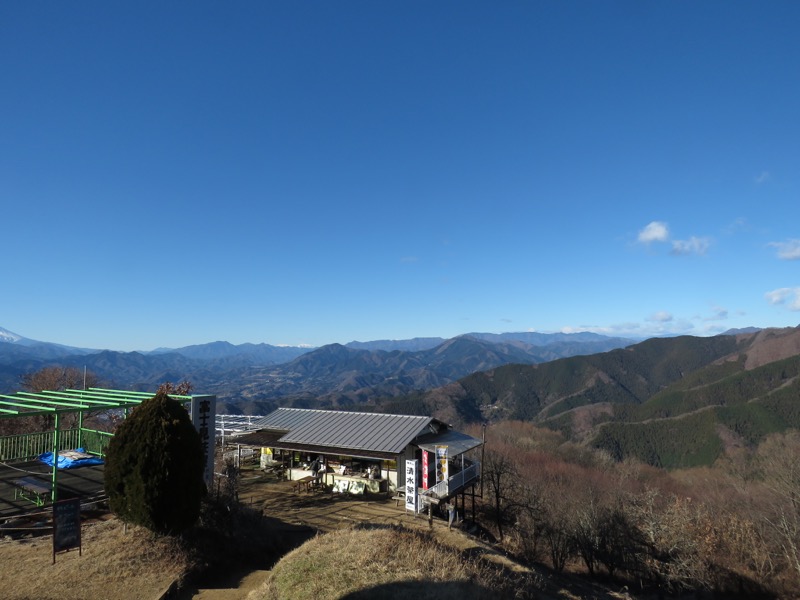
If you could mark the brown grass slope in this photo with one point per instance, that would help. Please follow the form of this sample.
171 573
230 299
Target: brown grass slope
394 562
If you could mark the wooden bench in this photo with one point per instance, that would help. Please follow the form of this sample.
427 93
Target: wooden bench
32 489
398 498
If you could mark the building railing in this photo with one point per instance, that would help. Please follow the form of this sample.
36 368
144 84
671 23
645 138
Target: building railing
451 485
27 446
95 442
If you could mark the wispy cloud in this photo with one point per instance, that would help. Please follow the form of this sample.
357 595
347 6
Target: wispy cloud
763 177
694 245
658 231
785 296
740 224
661 316
665 324
655 231
789 250
720 314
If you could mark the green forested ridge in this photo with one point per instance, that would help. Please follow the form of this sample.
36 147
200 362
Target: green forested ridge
671 402
685 442
730 390
626 376
694 439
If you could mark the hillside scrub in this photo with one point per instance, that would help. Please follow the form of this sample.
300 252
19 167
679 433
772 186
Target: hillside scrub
733 529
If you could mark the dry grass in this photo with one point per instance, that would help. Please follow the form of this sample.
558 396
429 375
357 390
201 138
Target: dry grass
113 564
387 562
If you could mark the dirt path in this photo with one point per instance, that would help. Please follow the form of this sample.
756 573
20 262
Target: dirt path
236 588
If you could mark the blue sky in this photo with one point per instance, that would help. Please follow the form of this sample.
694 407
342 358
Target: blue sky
316 172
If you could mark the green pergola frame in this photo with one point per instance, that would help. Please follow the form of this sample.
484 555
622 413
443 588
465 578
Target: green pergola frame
56 403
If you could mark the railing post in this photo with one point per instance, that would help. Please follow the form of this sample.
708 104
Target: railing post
54 489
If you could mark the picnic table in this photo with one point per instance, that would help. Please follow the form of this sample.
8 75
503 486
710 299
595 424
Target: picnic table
305 482
33 489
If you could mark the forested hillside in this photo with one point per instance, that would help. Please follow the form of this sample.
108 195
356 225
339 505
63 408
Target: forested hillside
668 401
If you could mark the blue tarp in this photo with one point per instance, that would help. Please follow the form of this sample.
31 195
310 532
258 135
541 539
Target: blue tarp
71 459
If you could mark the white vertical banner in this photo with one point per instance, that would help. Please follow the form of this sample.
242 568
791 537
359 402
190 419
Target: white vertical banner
204 416
411 485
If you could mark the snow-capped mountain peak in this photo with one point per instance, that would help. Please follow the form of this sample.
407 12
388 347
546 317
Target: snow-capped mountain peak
9 336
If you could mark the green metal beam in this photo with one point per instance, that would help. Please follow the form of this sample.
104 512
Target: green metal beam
44 398
88 399
56 444
33 408
143 395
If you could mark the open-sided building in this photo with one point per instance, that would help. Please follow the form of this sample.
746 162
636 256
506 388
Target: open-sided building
356 451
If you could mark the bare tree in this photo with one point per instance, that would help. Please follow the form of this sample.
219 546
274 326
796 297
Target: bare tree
58 379
777 457
500 475
53 378
184 388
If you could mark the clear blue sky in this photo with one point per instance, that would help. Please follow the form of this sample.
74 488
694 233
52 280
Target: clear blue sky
315 172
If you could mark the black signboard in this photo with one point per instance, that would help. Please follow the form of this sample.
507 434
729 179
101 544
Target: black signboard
66 526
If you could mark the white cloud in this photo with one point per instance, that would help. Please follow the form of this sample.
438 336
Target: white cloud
655 231
788 296
669 326
764 177
694 245
788 250
661 316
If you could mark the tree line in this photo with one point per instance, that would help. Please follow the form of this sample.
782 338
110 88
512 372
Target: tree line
731 529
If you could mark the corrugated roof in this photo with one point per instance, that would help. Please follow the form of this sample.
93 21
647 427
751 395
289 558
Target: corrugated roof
285 419
370 432
456 442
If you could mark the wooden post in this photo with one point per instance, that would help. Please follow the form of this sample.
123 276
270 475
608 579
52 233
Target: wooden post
473 503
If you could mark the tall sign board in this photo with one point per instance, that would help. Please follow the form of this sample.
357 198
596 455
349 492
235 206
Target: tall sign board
66 526
411 485
204 417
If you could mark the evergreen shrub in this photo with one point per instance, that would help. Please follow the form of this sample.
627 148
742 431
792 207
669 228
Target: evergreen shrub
154 468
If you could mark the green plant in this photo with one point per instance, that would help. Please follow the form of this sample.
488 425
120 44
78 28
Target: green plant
154 468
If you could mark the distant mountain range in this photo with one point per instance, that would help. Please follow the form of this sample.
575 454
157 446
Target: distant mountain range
247 374
671 402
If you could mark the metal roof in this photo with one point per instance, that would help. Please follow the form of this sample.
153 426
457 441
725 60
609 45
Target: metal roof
348 431
286 419
272 439
354 433
456 442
